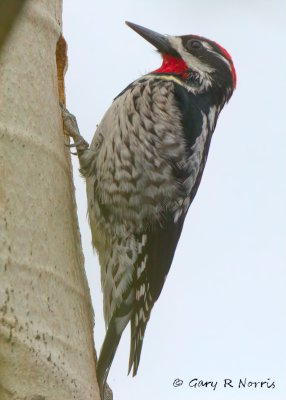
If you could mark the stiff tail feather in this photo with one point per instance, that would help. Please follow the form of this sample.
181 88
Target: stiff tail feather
115 328
138 325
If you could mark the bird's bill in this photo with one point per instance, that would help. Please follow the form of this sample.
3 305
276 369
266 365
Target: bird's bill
161 42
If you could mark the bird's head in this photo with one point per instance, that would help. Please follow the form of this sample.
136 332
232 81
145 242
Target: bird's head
199 63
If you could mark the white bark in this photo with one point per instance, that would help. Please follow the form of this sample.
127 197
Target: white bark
9 11
46 320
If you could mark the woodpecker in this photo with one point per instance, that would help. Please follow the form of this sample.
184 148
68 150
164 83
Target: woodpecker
142 170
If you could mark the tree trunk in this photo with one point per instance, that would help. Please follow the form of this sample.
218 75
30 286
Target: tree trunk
46 319
9 11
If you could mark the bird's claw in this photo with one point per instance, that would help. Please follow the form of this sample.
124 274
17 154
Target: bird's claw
71 130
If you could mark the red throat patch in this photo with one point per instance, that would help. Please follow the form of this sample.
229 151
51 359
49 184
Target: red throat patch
173 65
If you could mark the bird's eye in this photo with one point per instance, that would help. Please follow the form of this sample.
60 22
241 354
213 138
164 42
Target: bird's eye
194 45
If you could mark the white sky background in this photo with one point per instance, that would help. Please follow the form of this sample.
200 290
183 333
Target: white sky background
222 310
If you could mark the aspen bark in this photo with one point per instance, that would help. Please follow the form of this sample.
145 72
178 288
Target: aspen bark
46 319
9 11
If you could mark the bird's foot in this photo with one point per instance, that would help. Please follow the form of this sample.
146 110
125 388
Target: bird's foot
71 130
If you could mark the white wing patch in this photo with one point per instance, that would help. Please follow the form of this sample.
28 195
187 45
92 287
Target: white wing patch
193 165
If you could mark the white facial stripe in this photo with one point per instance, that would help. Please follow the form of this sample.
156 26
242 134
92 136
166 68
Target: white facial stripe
211 50
191 61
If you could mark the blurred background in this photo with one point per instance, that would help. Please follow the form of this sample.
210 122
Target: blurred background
221 314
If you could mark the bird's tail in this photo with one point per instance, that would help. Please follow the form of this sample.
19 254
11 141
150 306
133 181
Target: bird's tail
136 342
116 326
140 317
141 310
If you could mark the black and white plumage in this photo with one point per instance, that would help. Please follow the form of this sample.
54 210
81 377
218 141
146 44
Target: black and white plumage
142 171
